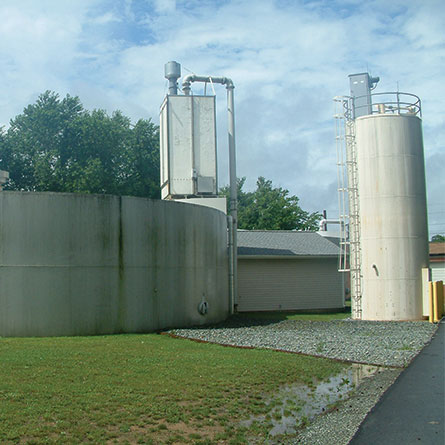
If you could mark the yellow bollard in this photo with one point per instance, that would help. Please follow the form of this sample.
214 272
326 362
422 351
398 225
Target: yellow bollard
438 300
431 300
443 307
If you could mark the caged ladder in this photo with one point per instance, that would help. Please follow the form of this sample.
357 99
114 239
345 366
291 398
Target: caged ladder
348 201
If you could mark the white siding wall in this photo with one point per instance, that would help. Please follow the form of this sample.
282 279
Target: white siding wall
288 284
438 271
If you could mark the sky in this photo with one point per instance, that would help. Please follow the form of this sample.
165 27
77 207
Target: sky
287 59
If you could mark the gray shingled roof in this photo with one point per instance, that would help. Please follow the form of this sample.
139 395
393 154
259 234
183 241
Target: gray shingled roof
284 243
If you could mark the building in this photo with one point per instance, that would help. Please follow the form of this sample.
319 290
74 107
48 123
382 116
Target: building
288 270
437 261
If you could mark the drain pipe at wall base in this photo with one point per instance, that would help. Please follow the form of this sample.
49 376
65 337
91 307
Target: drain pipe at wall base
233 222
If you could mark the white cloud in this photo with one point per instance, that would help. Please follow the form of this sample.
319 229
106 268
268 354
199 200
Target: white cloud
164 6
40 44
105 19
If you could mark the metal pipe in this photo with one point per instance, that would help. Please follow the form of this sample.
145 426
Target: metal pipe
186 86
189 78
231 263
324 222
233 188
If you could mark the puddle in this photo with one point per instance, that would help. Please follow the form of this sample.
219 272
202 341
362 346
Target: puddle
295 405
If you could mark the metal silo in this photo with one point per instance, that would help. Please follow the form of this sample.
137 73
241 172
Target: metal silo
393 214
382 201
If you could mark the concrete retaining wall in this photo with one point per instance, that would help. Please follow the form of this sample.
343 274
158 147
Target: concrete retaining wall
75 264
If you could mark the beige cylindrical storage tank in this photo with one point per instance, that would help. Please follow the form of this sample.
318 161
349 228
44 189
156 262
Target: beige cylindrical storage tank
393 215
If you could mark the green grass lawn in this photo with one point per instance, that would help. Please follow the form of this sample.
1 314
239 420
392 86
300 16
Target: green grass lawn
291 315
139 389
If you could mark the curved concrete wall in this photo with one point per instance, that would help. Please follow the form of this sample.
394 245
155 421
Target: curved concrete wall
75 264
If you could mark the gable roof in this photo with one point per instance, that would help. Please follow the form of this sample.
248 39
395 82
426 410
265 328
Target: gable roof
437 252
437 248
285 243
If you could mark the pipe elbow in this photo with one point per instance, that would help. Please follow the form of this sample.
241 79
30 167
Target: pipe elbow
228 82
188 78
186 81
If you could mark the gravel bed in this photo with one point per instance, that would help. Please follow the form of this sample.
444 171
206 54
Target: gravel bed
372 342
389 344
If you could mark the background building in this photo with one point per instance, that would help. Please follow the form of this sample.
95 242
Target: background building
437 261
288 270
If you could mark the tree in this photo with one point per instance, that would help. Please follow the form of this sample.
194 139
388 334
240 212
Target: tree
56 145
438 239
271 208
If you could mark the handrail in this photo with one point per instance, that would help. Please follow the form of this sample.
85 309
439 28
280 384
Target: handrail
393 103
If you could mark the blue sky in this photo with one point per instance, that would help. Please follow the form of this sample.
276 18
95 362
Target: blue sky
287 58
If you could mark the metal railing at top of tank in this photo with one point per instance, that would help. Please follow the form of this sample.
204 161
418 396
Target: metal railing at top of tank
393 103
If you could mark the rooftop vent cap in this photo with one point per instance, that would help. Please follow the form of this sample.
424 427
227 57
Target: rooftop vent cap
172 72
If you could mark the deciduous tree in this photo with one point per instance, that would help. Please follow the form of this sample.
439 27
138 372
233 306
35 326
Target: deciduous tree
57 145
271 208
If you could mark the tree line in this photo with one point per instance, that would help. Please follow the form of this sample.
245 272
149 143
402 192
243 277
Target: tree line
56 145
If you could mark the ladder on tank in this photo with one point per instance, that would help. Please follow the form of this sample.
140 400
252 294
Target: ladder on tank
347 174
